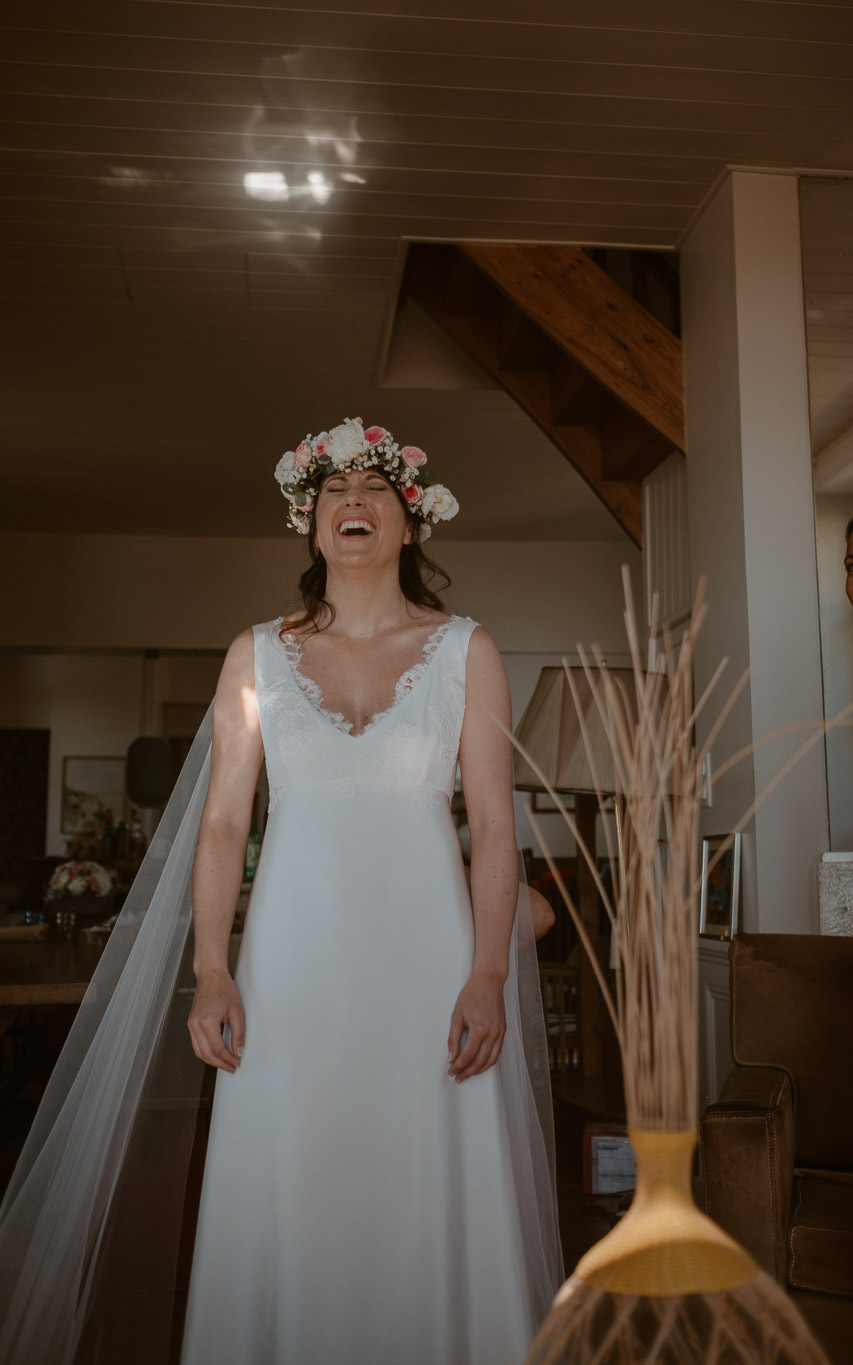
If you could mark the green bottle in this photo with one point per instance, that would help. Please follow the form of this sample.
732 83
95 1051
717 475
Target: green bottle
253 853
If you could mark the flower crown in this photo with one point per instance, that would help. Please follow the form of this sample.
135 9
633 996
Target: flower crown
349 446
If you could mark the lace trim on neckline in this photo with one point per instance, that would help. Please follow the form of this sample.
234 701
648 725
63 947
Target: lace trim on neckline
314 693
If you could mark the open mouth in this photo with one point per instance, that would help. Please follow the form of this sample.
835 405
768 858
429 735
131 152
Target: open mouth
353 527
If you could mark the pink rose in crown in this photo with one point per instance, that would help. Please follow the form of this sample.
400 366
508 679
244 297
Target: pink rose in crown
413 456
303 455
321 444
374 435
412 494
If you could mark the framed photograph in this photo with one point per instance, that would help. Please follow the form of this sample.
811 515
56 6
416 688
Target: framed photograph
720 894
91 786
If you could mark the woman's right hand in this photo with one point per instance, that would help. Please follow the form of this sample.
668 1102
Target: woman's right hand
217 1002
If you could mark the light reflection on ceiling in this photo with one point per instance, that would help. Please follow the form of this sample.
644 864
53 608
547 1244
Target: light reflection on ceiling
164 326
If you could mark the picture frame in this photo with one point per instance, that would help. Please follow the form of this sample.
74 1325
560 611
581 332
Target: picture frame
91 786
719 899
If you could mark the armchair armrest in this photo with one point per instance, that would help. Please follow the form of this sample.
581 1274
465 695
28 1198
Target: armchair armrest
748 1161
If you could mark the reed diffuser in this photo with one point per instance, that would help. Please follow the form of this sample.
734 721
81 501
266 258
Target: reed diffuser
666 1284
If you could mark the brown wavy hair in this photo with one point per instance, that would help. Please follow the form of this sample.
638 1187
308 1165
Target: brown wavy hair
421 580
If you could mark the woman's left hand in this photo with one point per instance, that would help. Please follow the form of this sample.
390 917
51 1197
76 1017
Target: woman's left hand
480 1010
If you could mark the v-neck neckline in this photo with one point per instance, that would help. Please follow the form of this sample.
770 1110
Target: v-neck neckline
403 688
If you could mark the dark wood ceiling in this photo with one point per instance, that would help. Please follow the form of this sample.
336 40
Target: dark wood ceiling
167 332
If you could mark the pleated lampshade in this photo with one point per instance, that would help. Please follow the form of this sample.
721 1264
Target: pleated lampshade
550 732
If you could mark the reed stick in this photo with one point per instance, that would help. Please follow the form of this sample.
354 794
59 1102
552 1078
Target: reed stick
653 910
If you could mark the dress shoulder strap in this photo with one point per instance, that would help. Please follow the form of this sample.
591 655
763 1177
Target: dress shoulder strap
453 645
464 628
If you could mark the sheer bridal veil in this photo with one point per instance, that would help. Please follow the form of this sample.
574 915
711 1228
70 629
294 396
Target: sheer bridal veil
126 1075
97 1225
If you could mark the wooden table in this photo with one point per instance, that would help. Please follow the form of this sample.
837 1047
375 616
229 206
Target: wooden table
52 972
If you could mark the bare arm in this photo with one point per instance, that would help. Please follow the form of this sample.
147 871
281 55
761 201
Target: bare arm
485 756
217 872
540 911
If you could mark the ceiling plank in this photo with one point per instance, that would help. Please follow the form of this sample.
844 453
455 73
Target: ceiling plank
649 68
543 118
304 36
733 18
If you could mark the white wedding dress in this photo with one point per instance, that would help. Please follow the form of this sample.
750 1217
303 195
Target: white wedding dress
359 1207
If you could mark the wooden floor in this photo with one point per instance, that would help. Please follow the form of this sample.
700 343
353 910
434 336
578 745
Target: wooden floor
584 1219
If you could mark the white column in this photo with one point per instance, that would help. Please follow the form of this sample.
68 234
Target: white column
751 514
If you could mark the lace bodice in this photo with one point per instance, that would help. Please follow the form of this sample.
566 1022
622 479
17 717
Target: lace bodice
411 747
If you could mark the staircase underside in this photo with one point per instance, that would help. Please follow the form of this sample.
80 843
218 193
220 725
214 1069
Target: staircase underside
596 372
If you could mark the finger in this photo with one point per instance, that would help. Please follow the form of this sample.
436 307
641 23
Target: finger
214 1045
487 1054
494 1055
473 1043
206 1055
477 1063
237 1024
207 1044
454 1038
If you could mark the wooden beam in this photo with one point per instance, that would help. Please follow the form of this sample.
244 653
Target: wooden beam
425 280
621 345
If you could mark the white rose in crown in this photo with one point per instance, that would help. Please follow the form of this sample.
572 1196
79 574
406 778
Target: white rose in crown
346 442
285 470
352 446
439 503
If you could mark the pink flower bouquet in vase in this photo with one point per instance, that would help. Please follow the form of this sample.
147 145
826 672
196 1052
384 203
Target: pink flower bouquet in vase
666 1284
79 891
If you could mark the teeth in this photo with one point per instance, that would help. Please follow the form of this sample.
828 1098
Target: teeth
355 526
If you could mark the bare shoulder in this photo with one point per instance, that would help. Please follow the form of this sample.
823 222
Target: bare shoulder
484 657
235 711
241 651
238 668
485 675
488 710
427 616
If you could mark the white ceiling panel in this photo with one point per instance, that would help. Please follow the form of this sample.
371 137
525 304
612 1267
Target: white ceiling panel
165 334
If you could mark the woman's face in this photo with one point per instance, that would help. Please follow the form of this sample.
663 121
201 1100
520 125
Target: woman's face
848 569
360 520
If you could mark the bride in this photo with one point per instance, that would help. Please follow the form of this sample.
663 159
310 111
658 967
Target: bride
378 1184
360 1201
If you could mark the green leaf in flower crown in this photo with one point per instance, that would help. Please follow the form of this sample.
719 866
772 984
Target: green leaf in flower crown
300 499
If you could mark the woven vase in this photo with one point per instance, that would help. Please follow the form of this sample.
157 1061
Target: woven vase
667 1285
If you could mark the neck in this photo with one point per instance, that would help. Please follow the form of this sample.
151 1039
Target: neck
365 605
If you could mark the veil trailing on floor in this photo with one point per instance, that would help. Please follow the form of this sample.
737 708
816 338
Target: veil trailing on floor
97 1225
116 1072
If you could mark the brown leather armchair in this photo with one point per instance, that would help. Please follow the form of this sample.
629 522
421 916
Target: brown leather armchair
777 1148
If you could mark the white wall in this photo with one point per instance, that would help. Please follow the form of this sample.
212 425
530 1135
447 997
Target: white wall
90 704
836 636
751 516
156 592
752 527
111 593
